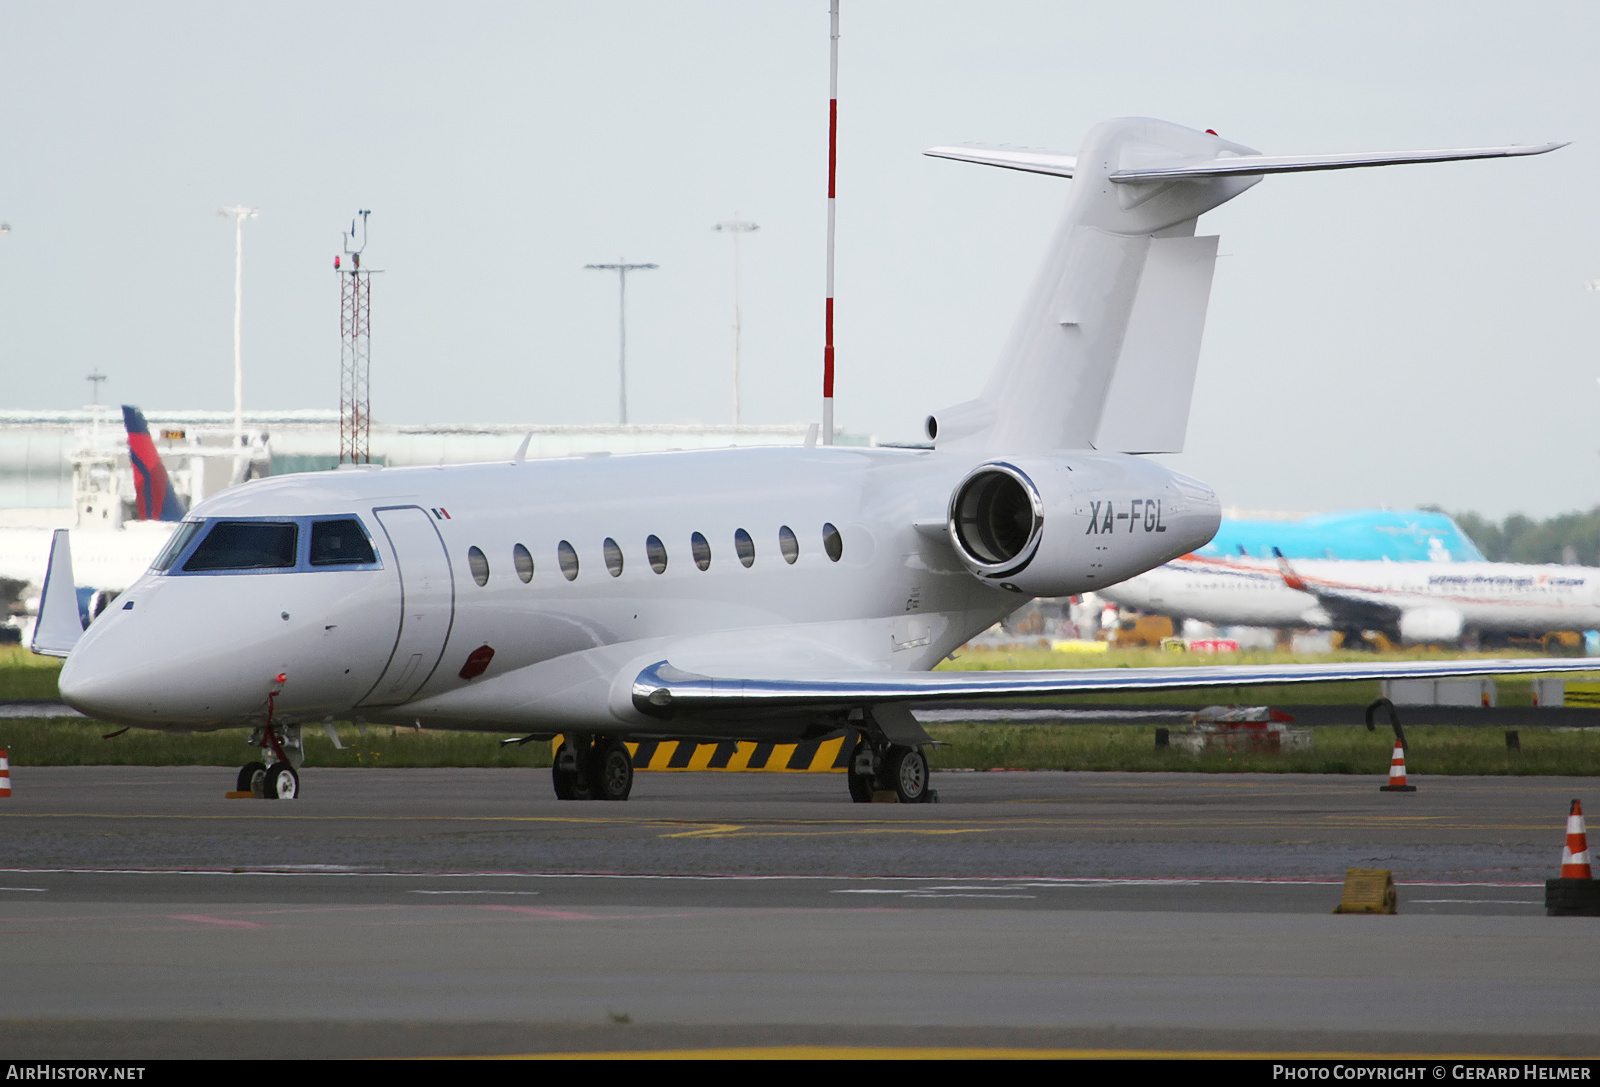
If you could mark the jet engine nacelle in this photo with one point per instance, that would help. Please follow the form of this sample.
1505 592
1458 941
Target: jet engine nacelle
1419 625
1072 523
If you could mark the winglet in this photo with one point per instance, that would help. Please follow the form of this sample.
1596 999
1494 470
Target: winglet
59 625
1290 578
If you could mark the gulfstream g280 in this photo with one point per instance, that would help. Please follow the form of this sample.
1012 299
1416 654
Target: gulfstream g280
768 594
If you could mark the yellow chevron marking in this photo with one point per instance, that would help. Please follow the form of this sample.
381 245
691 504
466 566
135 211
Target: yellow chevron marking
777 761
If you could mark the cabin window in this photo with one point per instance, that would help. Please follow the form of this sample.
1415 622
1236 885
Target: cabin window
613 555
656 552
568 557
832 543
340 543
180 540
788 544
247 545
701 551
523 561
478 563
744 547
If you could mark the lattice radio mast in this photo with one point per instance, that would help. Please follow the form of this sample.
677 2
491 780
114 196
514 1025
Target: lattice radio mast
355 349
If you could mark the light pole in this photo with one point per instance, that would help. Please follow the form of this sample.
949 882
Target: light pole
735 227
240 213
622 268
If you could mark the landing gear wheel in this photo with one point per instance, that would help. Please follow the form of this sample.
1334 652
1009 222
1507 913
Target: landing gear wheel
280 782
252 775
613 772
570 785
860 784
907 771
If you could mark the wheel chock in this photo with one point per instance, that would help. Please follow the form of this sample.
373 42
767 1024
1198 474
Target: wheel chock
1368 890
240 794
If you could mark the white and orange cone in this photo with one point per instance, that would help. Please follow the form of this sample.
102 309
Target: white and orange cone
5 775
1397 773
1574 857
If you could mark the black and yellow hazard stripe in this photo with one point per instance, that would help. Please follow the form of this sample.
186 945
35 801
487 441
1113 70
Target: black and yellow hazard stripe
815 757
1582 694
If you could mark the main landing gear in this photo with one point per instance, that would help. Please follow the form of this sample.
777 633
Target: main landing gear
277 777
886 767
592 768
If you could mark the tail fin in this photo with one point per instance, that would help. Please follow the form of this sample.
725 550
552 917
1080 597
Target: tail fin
152 490
1103 353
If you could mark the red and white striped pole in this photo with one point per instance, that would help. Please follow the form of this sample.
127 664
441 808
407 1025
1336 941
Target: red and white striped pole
833 161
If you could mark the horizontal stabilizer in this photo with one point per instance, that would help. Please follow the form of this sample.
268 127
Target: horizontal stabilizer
59 625
1031 159
1256 165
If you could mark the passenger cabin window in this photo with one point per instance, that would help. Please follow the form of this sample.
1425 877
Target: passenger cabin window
523 561
340 543
246 545
613 555
180 540
568 558
744 547
478 563
788 544
831 542
701 551
656 552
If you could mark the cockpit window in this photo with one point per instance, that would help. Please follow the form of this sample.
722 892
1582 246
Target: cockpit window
246 545
340 543
180 540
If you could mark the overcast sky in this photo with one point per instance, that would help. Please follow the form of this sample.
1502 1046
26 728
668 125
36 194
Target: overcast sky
1396 336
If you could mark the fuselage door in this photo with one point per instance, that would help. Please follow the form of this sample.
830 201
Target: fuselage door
427 603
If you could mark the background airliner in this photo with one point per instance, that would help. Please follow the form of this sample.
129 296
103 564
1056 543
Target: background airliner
1410 602
771 594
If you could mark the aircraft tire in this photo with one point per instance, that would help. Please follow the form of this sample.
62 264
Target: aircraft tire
907 773
252 776
613 772
861 785
281 782
568 785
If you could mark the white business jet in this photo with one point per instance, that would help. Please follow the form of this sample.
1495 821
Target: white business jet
776 594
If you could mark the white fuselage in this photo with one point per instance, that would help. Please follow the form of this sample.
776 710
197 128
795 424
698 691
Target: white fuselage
1488 596
390 641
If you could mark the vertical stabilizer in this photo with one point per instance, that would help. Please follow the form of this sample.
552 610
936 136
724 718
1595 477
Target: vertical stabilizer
1103 354
153 493
1123 261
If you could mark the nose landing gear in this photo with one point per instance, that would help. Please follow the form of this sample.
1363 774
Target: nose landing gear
278 776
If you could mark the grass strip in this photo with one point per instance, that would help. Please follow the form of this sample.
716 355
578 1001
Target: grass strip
1435 749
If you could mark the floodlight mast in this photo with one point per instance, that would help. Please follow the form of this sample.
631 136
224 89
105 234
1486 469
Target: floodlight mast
355 349
736 226
622 268
239 213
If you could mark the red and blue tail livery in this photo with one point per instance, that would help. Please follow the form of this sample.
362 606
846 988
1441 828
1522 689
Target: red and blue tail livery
155 499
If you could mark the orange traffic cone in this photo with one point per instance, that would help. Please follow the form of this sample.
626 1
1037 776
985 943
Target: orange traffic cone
1397 773
5 775
1576 893
1575 857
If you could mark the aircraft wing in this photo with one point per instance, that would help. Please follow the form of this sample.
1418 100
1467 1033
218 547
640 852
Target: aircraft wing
664 691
